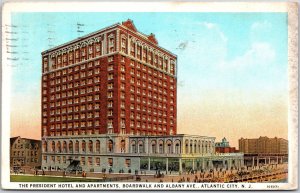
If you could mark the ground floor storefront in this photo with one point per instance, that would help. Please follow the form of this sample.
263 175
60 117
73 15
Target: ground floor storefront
134 164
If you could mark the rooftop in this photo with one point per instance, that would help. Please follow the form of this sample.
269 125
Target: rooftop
126 24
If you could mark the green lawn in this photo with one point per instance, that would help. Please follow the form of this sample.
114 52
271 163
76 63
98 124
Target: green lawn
21 178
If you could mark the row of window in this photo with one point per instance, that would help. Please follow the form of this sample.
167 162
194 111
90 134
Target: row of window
142 54
82 99
82 124
83 90
82 82
67 112
83 146
73 58
89 131
22 153
161 126
89 161
109 95
82 67
22 161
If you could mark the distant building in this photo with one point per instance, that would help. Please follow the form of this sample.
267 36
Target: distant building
25 152
264 150
264 145
223 147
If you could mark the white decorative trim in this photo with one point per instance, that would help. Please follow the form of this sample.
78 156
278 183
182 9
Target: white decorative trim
149 65
75 46
144 37
75 64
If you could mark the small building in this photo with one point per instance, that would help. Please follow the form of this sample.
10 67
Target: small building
25 152
223 147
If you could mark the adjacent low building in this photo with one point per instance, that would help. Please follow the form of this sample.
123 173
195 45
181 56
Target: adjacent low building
25 152
129 153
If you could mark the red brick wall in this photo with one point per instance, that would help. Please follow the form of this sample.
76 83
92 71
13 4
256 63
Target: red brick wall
164 87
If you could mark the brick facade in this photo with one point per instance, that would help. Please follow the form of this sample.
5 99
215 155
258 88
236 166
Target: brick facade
115 80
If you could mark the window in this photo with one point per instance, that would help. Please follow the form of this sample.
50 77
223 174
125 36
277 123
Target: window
83 161
110 59
128 162
98 146
110 76
83 146
122 76
90 161
110 67
123 68
44 157
97 161
110 104
122 95
110 162
110 146
110 85
109 94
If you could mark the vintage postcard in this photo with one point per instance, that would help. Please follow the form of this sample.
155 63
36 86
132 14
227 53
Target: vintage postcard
149 96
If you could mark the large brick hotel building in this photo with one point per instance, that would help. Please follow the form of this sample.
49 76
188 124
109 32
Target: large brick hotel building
116 80
109 101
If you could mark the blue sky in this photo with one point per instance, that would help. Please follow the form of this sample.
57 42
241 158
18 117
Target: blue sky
238 58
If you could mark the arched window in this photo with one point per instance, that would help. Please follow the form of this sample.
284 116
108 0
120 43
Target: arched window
186 146
98 146
153 145
110 146
77 146
191 146
64 146
58 147
83 146
169 147
195 146
133 147
53 146
161 146
141 147
122 145
71 146
45 146
90 146
177 148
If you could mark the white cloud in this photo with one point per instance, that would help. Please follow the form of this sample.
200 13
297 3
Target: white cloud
259 54
205 40
216 28
261 25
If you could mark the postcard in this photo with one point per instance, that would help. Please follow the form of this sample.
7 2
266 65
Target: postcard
149 96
